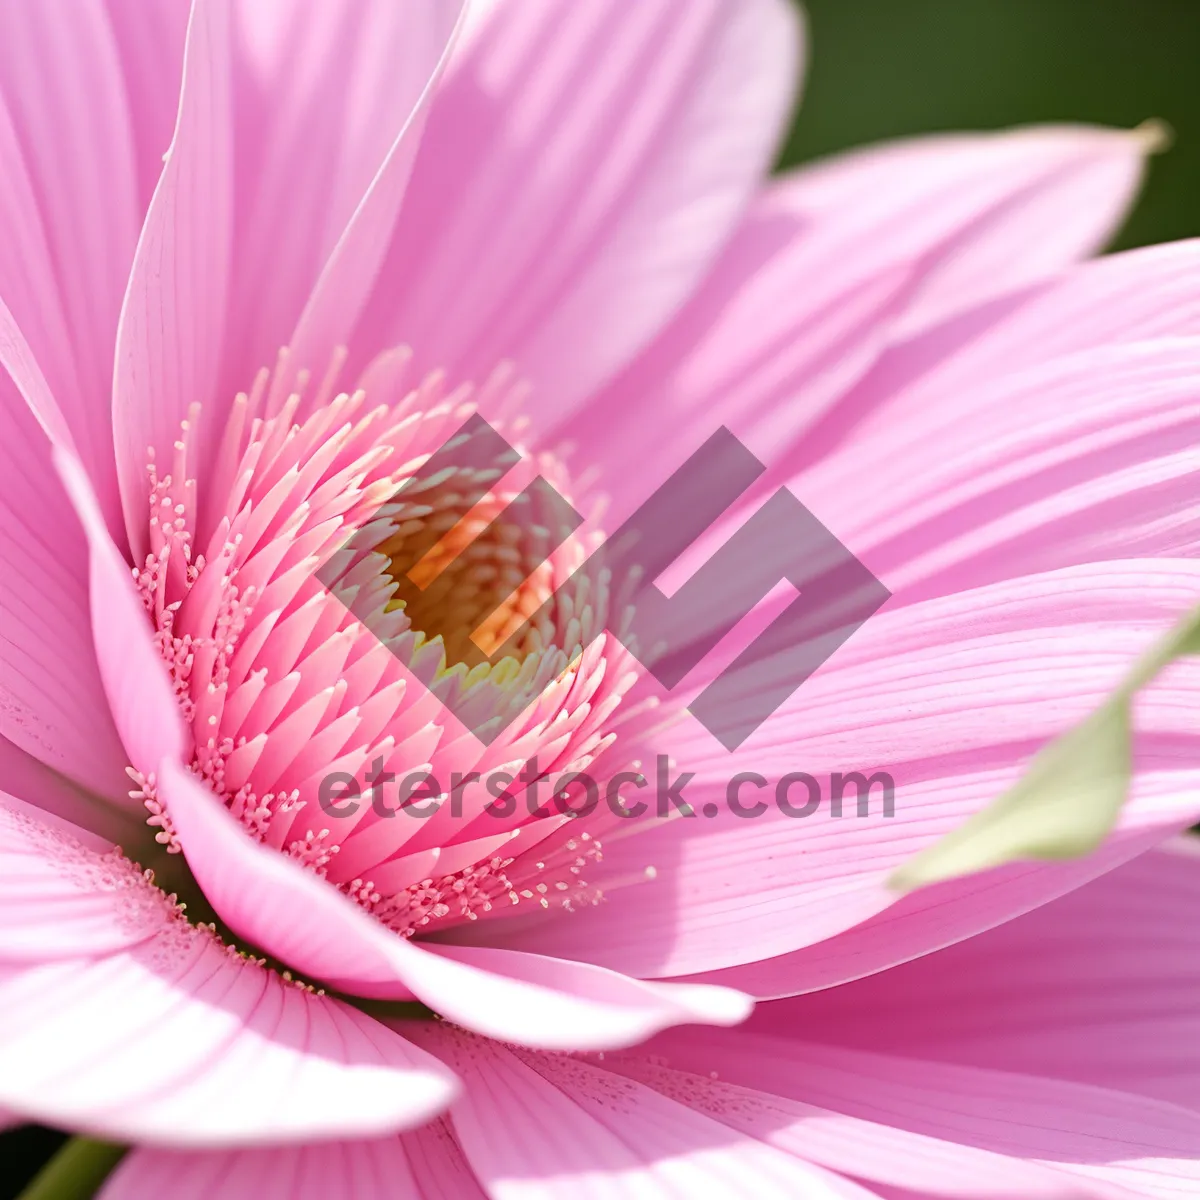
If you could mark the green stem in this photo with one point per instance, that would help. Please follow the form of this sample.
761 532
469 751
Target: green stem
75 1172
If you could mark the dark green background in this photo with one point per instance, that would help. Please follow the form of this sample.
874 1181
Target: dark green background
884 68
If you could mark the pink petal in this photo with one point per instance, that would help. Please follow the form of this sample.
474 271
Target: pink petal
272 901
1083 458
66 157
644 1006
173 319
359 1170
63 898
123 1021
1086 457
150 40
582 168
754 1086
35 325
135 678
422 1164
1034 200
425 30
1103 1139
330 104
304 115
835 261
535 1126
54 706
180 1043
1136 296
938 916
793 314
904 1123
950 697
1099 987
438 1163
35 788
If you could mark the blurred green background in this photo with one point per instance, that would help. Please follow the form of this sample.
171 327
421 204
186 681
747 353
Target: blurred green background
885 68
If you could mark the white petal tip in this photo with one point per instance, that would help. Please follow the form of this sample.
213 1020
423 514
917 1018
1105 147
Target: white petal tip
1156 135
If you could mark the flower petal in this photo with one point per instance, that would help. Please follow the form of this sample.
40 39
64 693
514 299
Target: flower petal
69 191
421 1164
792 315
330 106
173 319
1085 457
753 1085
179 1042
306 113
835 261
1137 296
942 914
947 697
582 168
64 898
426 31
1110 1138
438 1164
537 1126
1067 802
926 1128
53 705
1006 208
32 786
1100 987
304 921
150 40
125 1022
135 678
376 1170
1082 458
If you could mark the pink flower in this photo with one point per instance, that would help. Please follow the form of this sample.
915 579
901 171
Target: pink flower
556 216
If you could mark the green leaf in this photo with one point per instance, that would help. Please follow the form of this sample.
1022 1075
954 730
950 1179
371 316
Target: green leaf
75 1172
1182 642
1069 799
1189 646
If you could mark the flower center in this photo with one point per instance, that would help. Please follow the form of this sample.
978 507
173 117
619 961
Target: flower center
473 561
476 587
326 595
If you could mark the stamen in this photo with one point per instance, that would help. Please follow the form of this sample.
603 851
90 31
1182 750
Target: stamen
145 791
284 682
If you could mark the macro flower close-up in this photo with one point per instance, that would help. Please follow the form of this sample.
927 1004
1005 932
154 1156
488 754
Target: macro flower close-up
374 825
